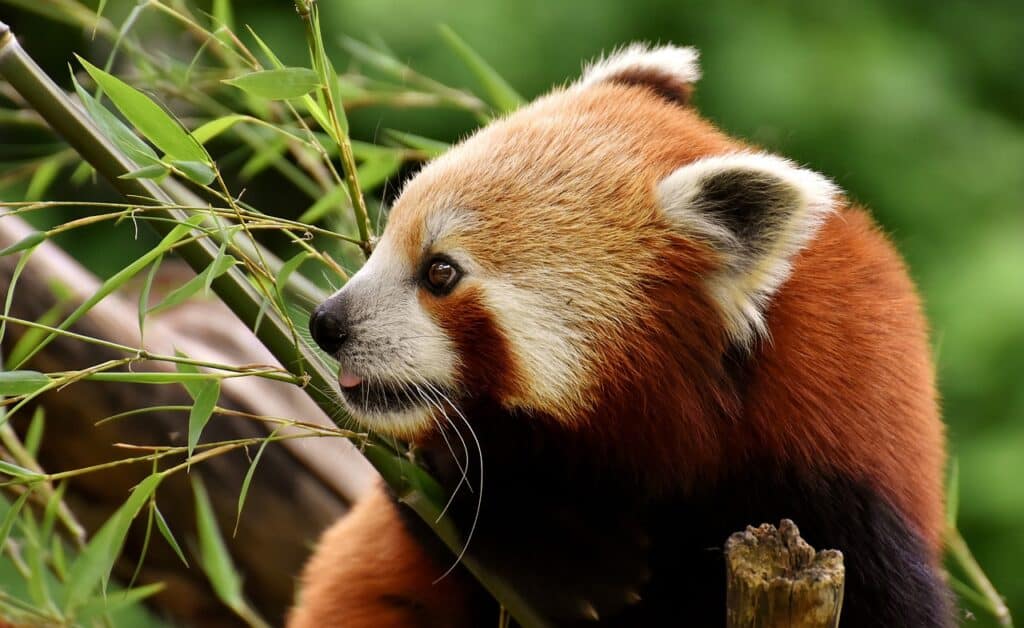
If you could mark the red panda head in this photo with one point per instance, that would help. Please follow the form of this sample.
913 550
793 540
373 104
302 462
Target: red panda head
601 246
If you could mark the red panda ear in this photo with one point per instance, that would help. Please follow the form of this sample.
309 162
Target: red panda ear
757 211
669 71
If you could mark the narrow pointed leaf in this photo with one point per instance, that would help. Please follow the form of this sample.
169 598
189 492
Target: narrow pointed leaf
42 178
213 554
94 563
202 410
196 171
248 479
277 84
12 516
155 171
30 241
112 127
432 148
165 531
21 382
148 117
498 92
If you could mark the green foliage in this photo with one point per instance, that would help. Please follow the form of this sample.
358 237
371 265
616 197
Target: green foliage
915 112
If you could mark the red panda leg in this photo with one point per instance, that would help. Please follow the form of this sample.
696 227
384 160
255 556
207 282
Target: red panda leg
369 571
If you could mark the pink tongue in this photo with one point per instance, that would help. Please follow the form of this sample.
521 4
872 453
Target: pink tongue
348 380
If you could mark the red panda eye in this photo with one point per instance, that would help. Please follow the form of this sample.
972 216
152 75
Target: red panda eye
441 276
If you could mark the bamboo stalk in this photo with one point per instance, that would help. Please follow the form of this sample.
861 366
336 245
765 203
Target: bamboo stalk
415 487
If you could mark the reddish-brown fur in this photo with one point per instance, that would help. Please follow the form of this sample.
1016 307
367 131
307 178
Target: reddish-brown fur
847 337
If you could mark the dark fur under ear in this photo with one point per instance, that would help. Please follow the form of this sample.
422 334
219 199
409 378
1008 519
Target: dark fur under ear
757 211
669 71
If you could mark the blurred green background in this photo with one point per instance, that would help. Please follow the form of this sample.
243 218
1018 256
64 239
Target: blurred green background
915 108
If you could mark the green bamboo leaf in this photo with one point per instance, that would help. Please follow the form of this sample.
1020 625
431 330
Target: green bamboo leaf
219 266
432 148
323 205
38 588
115 601
28 242
262 159
93 564
213 554
192 386
119 278
42 178
147 287
34 434
215 127
196 171
290 267
14 383
57 558
14 470
202 410
374 172
165 531
154 377
267 52
499 93
148 117
155 171
32 336
112 127
277 84
12 516
248 479
50 512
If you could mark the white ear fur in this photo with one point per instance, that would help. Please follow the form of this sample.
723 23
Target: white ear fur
756 210
673 62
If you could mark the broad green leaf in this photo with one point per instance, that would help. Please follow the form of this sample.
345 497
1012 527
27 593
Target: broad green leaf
12 516
42 178
28 242
432 148
248 479
112 127
155 171
95 561
499 93
34 434
196 171
14 383
148 117
165 531
213 554
202 410
278 84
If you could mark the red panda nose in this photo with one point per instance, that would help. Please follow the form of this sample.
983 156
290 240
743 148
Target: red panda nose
328 327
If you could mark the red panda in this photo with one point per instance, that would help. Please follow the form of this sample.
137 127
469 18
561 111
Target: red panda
618 335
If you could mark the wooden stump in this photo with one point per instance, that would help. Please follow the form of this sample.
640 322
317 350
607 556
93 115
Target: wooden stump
776 579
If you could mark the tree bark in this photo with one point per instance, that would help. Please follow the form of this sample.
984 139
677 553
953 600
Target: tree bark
775 579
